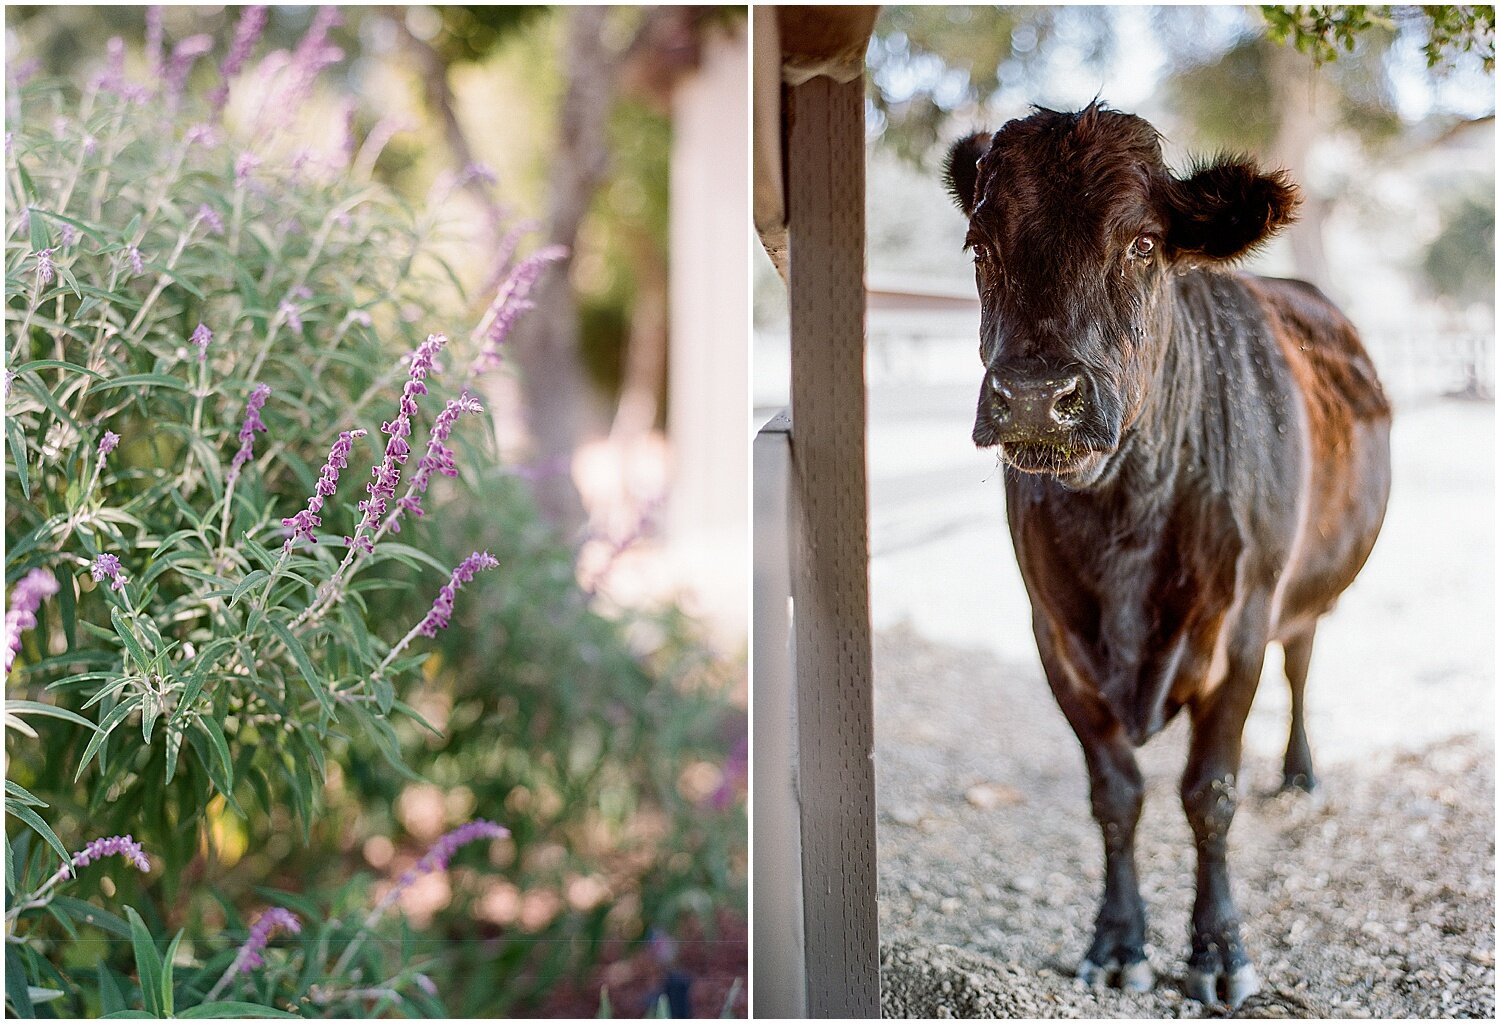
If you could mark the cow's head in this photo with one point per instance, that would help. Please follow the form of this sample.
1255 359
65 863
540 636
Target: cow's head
1075 225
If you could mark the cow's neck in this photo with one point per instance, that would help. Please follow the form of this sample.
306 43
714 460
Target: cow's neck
1123 537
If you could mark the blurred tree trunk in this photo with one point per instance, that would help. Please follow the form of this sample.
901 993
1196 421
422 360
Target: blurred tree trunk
558 396
560 407
1299 107
644 377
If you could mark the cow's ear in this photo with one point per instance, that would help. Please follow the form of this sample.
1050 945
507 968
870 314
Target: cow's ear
1228 207
961 172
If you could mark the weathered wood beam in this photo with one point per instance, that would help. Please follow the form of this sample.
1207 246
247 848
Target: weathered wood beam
830 559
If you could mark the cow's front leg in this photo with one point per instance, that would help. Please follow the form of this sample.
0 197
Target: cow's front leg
1209 796
1115 787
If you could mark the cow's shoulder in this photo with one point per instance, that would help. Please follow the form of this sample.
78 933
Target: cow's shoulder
1321 345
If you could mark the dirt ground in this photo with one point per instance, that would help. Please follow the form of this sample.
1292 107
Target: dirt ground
1377 901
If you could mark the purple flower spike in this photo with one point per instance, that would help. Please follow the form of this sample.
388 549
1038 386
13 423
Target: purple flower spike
201 336
313 54
69 236
137 261
277 918
246 34
442 851
303 523
510 302
112 79
108 443
442 608
439 456
184 55
252 423
20 611
201 135
292 314
114 846
387 474
208 215
46 270
154 34
109 565
244 166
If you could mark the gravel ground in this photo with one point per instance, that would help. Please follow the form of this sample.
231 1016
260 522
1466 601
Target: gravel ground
1375 900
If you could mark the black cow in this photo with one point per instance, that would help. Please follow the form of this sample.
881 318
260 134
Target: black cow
1197 464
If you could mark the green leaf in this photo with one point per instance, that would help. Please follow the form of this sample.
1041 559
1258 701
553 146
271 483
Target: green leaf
68 604
16 442
43 995
87 229
305 666
86 912
221 747
408 555
39 236
37 388
20 793
157 380
111 720
57 914
201 664
56 364
127 637
30 817
166 973
111 999
385 694
147 963
16 990
232 1008
130 1015
384 736
250 580
31 707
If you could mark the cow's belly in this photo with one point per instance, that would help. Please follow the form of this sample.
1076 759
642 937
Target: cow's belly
1347 502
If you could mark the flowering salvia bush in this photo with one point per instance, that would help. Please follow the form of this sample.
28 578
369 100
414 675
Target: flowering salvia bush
229 404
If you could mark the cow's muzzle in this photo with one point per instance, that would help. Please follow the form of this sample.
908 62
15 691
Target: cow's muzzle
1036 411
1040 423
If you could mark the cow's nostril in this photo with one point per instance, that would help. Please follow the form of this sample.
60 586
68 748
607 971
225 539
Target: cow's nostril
1069 403
1000 397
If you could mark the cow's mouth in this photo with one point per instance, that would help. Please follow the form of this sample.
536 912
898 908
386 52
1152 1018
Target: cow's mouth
1049 458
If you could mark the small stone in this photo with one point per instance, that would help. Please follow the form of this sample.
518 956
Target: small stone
987 796
905 815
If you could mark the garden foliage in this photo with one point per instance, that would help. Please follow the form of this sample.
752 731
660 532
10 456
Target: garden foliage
249 489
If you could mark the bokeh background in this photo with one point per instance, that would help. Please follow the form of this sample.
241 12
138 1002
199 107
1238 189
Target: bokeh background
595 703
980 785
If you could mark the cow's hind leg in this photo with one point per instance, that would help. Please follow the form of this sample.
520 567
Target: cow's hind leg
1297 769
1116 790
1209 797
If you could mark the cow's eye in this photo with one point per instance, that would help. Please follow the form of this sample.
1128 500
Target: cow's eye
1142 247
981 253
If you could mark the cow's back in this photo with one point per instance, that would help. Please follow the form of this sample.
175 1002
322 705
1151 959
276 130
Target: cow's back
1348 423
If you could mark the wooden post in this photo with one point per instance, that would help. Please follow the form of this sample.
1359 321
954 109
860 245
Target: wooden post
830 537
780 965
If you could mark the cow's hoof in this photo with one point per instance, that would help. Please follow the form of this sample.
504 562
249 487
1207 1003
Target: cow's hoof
1241 984
1202 986
1089 973
1299 782
1135 977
